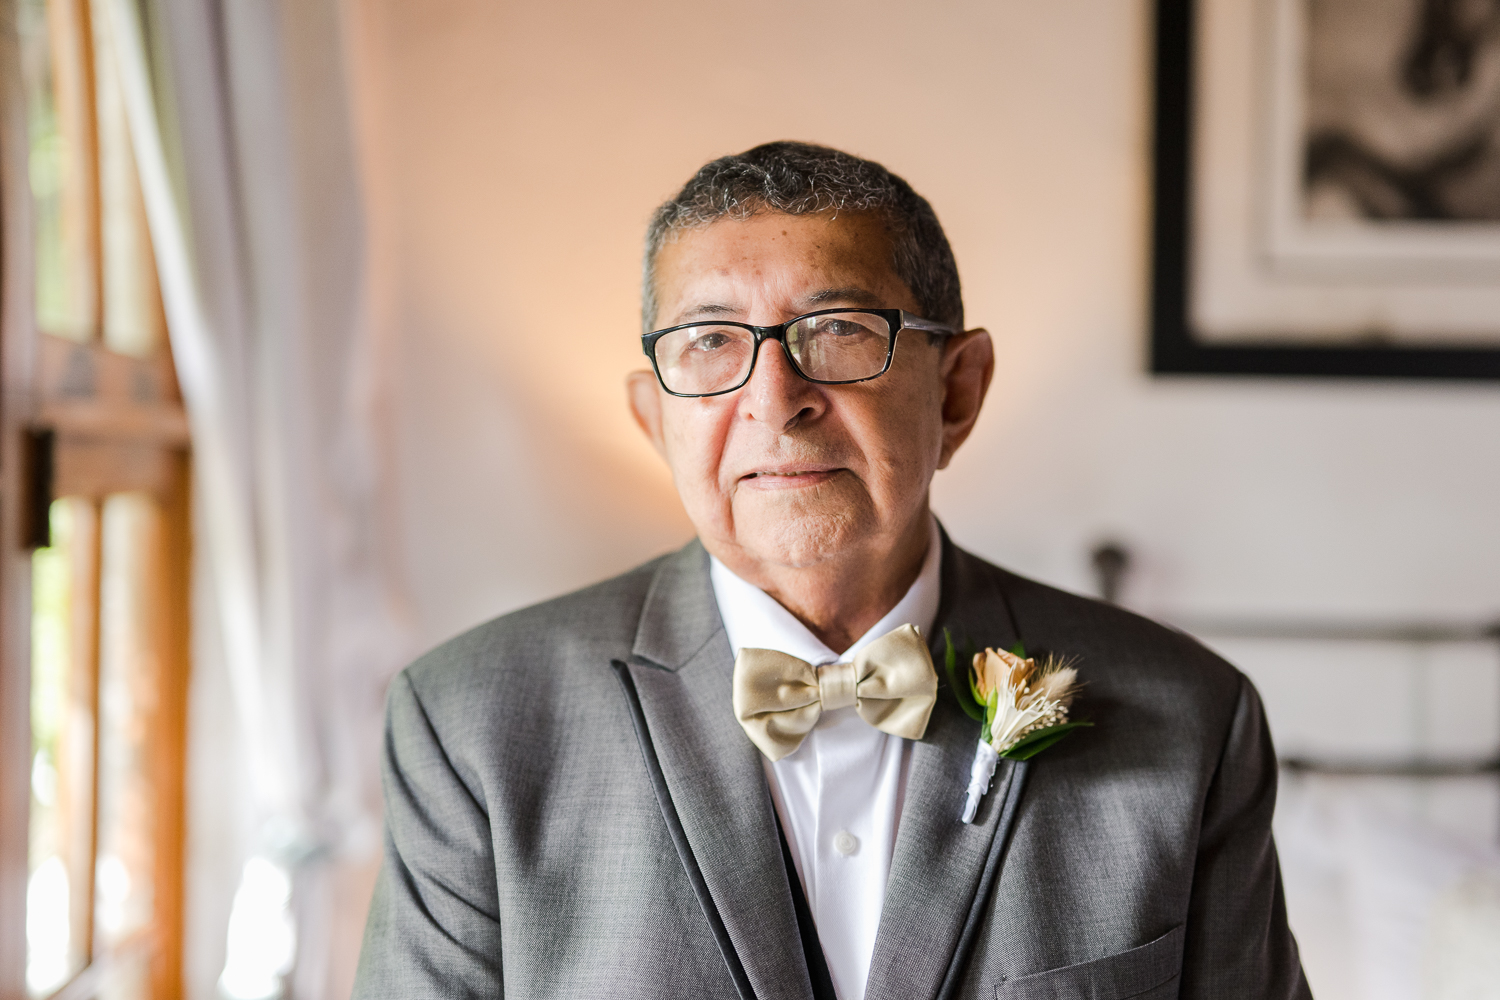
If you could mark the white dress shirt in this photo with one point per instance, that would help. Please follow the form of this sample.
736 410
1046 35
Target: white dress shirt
839 795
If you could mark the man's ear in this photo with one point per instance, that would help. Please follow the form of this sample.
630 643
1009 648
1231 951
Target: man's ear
645 406
968 366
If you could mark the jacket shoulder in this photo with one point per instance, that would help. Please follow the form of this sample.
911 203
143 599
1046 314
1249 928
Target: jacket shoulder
588 626
1112 645
1161 702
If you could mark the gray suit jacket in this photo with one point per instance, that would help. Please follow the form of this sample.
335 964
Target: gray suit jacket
572 811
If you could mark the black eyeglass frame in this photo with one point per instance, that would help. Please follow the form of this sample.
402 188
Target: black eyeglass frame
896 319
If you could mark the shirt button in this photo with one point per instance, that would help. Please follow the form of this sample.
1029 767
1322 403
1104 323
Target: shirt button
845 843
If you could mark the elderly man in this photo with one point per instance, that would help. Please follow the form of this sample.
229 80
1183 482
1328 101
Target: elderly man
735 772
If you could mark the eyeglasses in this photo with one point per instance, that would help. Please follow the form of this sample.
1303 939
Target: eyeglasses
830 347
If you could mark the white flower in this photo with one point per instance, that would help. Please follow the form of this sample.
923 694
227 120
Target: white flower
1018 698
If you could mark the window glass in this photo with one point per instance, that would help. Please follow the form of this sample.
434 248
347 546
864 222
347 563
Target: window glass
57 68
63 691
128 701
133 321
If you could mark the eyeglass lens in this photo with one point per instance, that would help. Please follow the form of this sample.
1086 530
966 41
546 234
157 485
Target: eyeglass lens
830 347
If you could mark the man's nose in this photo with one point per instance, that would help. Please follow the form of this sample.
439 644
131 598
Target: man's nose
776 395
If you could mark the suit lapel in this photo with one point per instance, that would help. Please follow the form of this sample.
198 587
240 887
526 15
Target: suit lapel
942 869
681 668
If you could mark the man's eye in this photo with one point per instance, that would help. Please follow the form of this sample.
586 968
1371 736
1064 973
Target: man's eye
709 341
842 328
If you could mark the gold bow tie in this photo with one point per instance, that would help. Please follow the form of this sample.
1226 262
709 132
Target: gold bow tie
779 698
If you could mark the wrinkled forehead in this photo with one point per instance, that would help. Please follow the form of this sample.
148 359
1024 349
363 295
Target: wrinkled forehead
772 266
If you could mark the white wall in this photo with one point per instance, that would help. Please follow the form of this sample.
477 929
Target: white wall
514 152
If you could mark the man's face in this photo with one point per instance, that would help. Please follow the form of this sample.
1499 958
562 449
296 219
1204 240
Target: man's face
784 471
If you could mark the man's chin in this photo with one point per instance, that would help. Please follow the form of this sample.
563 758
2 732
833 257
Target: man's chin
798 534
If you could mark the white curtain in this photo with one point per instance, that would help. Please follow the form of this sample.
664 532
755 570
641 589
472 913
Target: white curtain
239 115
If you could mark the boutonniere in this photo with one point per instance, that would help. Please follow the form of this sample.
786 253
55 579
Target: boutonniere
1022 709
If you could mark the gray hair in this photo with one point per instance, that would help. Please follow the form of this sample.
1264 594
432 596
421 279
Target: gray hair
798 178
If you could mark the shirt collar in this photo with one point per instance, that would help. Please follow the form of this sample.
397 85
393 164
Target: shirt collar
753 619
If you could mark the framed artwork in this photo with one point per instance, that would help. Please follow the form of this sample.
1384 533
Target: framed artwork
1327 188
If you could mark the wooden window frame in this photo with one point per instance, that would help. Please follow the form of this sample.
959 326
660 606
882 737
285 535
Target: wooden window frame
126 432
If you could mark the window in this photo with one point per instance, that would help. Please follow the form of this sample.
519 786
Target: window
105 486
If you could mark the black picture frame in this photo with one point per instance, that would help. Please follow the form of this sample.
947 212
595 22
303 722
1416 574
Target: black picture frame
1174 348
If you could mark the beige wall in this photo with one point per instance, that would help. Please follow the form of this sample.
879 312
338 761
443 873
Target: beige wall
514 152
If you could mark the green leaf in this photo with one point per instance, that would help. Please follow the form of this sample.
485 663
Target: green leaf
1019 649
1035 742
961 692
968 660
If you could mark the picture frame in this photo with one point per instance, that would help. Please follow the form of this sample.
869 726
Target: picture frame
1262 266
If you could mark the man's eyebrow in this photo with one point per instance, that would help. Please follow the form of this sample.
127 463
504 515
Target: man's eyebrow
706 309
852 294
847 295
711 309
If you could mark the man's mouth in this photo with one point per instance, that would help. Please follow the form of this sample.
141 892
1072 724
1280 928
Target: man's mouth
790 476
